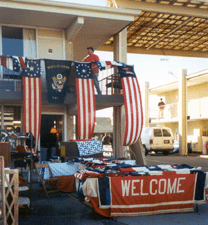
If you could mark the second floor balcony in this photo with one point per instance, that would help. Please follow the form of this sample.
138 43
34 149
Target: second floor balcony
11 89
196 109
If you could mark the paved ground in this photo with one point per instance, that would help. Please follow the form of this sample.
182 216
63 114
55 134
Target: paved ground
192 159
66 209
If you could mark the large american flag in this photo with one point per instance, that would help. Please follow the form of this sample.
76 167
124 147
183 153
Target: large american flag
133 105
32 98
85 100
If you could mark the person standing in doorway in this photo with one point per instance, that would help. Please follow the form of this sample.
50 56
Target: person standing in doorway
95 71
161 106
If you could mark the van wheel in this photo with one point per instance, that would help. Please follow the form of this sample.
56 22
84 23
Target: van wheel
145 150
165 152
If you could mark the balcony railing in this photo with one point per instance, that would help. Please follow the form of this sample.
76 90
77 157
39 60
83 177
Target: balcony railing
170 112
109 82
196 109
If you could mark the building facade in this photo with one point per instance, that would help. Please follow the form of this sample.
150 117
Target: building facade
58 31
186 106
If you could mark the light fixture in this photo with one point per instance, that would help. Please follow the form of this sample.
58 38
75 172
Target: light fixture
53 130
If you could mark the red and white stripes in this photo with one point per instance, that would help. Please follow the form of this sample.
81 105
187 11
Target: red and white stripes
133 110
32 98
86 108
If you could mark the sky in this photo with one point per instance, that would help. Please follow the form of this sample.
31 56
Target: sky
157 70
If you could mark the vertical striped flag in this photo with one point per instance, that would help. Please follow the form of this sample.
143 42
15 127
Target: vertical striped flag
133 105
32 98
85 100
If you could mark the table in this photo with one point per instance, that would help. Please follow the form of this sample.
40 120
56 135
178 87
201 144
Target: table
60 169
63 171
74 149
167 192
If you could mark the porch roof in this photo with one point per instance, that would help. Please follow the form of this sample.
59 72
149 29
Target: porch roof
87 25
166 27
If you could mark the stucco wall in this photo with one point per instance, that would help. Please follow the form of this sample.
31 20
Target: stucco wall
50 40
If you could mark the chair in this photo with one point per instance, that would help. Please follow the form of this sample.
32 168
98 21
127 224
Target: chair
48 185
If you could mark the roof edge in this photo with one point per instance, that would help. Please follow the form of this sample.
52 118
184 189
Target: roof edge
130 12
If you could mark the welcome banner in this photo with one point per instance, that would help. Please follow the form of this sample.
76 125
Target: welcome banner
134 196
57 75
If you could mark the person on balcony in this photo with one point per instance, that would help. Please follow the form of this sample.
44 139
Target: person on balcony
161 106
95 71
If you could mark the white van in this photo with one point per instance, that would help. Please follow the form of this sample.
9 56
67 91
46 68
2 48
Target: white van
157 139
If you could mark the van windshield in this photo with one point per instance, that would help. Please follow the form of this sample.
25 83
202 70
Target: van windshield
166 133
157 133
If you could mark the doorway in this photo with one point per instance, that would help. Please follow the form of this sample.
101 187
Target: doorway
48 139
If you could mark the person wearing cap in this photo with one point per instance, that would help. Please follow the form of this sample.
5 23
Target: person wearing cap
161 106
95 71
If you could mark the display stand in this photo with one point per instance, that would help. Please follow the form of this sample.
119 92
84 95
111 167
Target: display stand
23 155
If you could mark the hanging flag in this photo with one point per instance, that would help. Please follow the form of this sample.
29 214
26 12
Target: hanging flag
133 105
57 75
104 65
12 65
32 98
85 100
18 63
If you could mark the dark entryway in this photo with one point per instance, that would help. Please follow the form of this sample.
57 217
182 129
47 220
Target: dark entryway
47 139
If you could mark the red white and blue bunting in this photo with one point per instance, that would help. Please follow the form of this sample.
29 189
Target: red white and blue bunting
86 96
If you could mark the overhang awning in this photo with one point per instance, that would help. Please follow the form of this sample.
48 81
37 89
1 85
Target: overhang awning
166 27
99 23
192 79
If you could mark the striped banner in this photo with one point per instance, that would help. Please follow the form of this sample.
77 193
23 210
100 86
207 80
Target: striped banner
32 99
133 105
85 100
104 65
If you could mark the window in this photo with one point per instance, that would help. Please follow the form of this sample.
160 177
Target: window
166 133
12 41
17 42
157 133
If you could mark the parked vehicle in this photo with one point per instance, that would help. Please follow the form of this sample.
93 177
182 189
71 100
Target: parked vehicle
157 139
176 147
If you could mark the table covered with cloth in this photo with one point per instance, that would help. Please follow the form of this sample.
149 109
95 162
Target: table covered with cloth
63 171
73 149
123 190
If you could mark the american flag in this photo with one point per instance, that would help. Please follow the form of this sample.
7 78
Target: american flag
13 63
85 100
32 98
133 105
103 65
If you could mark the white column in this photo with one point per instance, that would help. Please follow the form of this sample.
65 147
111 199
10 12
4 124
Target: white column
145 104
120 46
120 54
68 119
69 50
182 113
